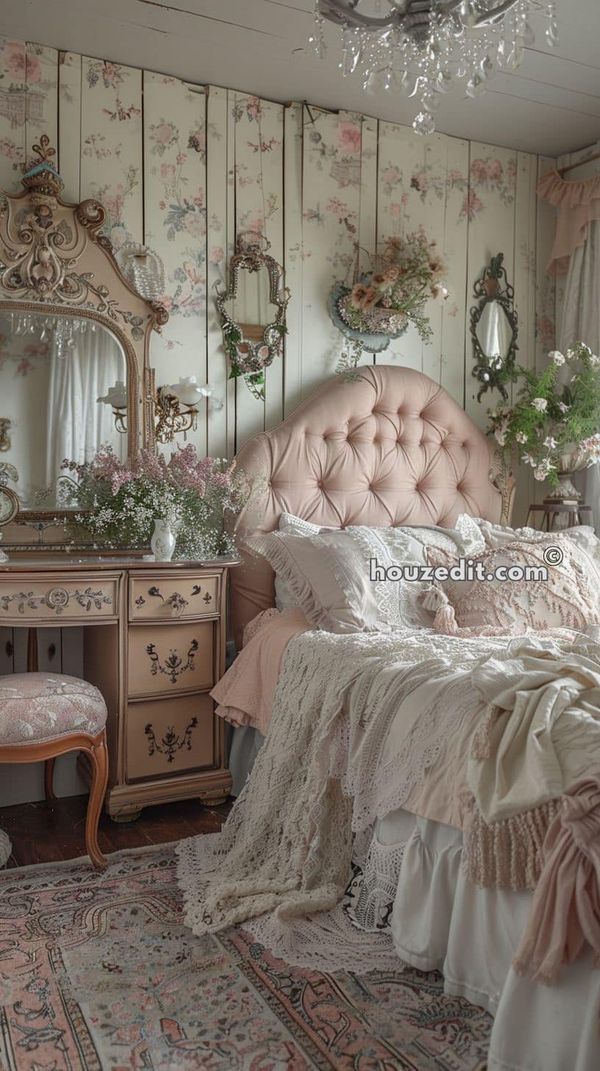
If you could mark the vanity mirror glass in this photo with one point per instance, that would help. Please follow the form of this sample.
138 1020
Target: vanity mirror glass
53 371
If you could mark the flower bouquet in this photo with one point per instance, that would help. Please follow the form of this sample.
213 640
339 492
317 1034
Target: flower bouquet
382 304
121 501
553 424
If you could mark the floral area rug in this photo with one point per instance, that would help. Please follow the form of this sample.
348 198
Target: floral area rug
98 972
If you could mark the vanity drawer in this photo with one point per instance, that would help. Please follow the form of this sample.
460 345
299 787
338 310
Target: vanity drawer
171 658
169 736
58 599
165 597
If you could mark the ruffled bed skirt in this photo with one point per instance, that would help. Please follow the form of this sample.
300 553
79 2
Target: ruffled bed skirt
410 885
440 920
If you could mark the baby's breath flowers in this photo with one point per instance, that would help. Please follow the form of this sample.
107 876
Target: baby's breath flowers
556 417
121 500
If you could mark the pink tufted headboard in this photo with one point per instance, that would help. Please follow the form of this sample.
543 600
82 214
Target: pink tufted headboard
391 447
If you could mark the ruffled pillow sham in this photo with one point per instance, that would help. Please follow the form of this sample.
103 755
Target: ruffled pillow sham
284 598
327 572
499 535
569 598
324 575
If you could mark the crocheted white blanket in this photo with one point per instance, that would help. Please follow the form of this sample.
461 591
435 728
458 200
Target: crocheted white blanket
358 722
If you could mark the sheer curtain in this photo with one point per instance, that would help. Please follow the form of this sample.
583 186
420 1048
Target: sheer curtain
77 423
581 322
576 253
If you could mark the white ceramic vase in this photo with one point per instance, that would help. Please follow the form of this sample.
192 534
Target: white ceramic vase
162 542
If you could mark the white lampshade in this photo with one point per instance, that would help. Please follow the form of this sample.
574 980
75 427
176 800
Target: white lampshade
189 391
116 396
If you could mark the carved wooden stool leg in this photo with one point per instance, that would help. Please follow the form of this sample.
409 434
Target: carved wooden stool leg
99 764
49 779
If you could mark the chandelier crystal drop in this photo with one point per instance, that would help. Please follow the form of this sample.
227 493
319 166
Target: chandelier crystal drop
423 47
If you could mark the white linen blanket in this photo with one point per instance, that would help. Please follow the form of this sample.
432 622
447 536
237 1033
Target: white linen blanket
542 729
286 847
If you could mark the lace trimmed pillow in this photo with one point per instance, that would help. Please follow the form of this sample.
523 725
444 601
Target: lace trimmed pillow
499 535
569 598
284 600
326 577
399 601
327 572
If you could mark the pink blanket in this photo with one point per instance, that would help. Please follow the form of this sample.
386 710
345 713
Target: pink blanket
245 694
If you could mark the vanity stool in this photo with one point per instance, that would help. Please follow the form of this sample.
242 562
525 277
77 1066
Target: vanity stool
44 715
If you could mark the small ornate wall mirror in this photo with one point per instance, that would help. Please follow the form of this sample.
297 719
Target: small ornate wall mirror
252 311
494 329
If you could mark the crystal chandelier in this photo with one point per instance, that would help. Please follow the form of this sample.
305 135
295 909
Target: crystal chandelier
422 47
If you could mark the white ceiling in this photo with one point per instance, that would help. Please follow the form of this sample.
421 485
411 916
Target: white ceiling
551 105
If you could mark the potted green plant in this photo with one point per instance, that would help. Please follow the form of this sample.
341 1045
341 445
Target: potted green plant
553 424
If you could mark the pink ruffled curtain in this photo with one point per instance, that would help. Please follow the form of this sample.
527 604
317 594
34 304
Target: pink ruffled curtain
578 205
576 253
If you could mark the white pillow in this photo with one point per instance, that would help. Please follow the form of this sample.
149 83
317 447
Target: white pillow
399 601
327 572
298 526
325 575
499 535
284 600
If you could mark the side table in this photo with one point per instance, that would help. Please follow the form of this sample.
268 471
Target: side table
576 514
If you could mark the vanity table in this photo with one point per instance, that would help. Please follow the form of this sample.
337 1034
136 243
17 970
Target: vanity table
154 644
76 376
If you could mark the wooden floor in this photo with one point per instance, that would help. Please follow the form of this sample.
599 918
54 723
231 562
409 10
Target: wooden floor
45 832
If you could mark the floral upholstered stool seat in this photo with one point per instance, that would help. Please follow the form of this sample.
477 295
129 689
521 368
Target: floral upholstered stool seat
44 715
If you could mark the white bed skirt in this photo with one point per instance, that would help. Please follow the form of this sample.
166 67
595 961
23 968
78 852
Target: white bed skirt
440 920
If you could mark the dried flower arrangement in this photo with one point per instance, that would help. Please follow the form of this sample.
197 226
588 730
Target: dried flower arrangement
121 500
385 301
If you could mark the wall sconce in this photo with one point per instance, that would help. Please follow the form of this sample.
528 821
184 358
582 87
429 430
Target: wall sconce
175 406
117 398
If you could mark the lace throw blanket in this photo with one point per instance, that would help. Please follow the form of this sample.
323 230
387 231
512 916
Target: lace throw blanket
346 747
287 844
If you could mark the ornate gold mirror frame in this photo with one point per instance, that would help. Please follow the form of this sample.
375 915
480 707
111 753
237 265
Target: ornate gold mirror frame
55 260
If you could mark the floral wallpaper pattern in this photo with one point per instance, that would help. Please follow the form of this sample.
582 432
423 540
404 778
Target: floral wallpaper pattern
187 168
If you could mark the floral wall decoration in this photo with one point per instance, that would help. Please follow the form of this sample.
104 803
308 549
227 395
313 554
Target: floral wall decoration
185 168
384 301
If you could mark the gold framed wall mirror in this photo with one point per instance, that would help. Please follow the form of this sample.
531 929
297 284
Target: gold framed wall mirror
74 340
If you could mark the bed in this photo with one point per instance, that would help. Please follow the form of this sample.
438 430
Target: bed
391 448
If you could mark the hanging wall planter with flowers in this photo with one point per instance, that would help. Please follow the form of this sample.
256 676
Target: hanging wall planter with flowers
382 303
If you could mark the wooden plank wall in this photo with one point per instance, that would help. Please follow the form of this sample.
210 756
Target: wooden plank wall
187 168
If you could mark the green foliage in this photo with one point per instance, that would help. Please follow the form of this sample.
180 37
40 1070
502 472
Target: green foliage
554 411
